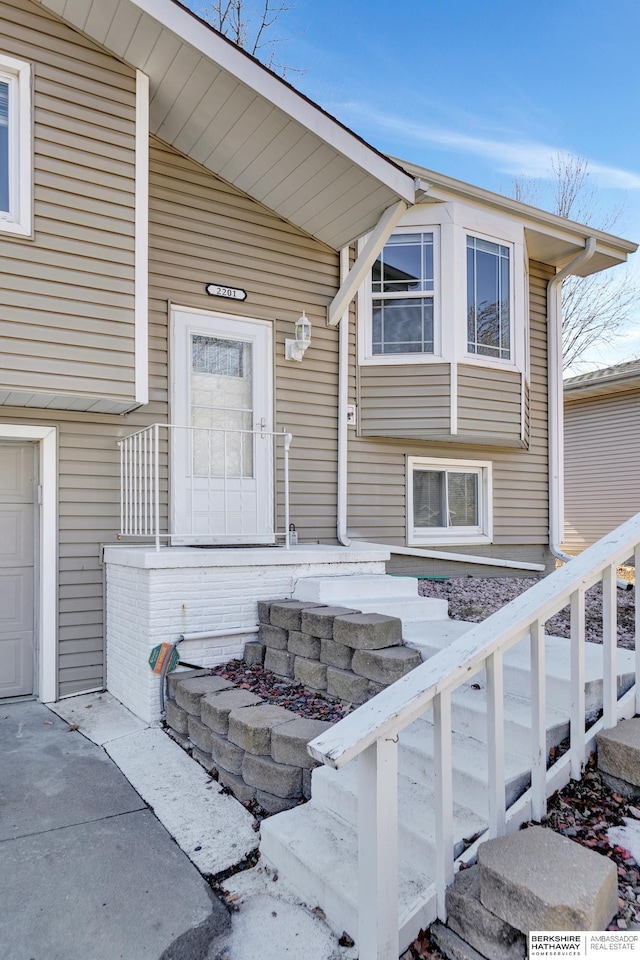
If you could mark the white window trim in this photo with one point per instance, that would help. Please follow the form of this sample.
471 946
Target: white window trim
497 361
47 591
365 298
451 222
452 535
18 220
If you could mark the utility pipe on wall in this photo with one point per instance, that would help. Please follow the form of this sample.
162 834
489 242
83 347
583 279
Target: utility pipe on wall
555 399
343 397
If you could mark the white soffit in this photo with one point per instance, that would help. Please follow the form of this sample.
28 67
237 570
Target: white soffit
216 104
550 239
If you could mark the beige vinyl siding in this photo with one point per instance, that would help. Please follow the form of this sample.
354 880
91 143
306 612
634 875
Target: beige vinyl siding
200 230
377 474
489 405
413 402
66 311
405 400
602 466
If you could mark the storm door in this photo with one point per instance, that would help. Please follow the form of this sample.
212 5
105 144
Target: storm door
221 443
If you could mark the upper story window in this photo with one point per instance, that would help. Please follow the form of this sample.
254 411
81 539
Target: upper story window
402 292
15 146
448 287
488 298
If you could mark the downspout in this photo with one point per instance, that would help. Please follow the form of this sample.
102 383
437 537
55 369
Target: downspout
343 396
343 440
555 400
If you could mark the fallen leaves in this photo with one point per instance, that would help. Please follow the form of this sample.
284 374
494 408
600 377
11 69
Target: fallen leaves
272 689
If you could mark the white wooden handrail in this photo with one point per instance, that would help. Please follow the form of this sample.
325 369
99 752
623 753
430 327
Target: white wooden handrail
378 722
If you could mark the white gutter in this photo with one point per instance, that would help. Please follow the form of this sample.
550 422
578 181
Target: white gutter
555 400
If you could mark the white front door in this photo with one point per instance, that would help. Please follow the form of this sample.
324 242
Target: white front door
17 555
222 448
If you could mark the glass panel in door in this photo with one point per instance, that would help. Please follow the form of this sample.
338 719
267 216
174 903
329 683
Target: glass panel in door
222 405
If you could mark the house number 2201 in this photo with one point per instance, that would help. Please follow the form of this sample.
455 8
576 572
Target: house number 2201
229 293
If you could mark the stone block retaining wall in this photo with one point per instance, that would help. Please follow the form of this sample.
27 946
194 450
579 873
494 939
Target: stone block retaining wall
344 653
257 749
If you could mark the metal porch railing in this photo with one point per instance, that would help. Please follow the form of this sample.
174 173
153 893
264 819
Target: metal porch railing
206 484
371 732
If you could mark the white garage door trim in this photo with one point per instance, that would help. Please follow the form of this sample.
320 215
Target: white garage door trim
47 605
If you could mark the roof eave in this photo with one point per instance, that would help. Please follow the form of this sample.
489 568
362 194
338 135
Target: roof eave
568 236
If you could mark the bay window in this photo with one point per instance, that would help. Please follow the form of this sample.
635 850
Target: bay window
450 290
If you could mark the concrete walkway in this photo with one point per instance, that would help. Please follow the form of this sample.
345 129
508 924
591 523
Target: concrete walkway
105 833
88 872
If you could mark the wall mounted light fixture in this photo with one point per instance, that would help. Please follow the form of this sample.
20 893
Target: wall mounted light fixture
295 349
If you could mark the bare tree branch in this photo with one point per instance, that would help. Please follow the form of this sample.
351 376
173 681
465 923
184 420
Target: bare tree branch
250 24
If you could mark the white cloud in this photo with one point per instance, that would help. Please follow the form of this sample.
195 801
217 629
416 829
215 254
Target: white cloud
514 157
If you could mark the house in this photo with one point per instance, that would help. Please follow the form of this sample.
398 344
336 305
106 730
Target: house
173 218
602 452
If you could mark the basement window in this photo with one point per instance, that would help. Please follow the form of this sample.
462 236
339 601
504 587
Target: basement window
15 147
448 501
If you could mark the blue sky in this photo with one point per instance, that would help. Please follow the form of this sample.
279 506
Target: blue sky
484 90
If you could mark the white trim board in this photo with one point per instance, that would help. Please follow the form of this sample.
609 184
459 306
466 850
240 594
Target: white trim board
141 242
19 219
47 599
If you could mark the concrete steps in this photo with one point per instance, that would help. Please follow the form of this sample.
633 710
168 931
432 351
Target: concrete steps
393 596
314 846
315 853
337 792
429 639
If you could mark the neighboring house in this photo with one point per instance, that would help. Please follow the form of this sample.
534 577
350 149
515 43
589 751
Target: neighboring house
169 209
602 452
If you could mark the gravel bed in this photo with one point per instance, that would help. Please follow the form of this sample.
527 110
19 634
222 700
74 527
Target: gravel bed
284 693
475 598
584 811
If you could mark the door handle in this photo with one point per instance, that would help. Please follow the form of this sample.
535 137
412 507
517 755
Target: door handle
262 425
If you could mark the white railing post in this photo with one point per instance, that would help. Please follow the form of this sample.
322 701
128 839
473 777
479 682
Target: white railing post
577 681
538 723
495 743
610 647
156 481
287 444
378 851
121 444
443 783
